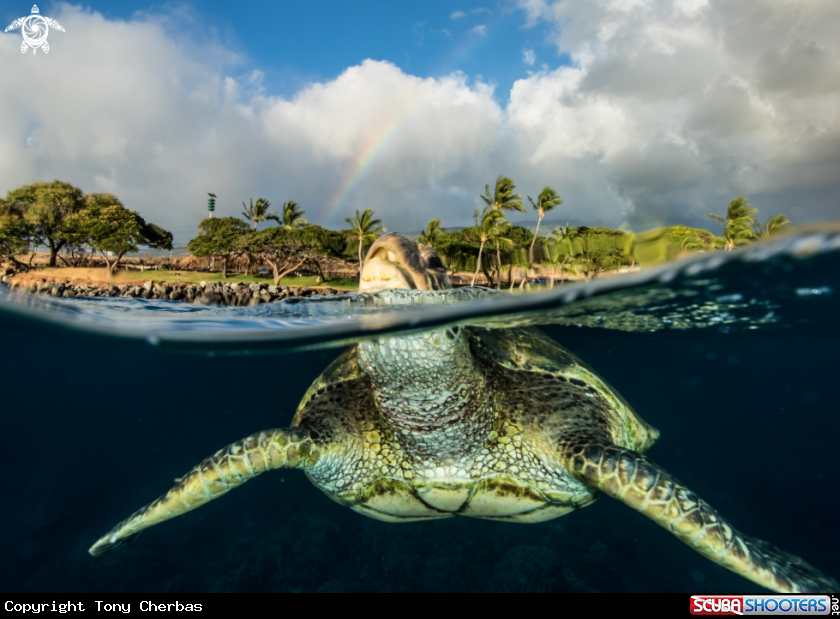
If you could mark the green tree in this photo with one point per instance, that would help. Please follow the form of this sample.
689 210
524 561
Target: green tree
502 199
285 252
48 207
546 201
558 250
325 242
364 229
220 236
487 227
457 249
560 233
431 233
692 244
500 235
258 211
15 233
292 216
738 226
106 226
773 225
599 248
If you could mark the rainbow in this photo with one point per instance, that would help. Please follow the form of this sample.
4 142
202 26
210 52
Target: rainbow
361 165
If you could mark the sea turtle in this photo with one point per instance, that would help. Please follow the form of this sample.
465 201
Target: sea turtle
502 424
36 29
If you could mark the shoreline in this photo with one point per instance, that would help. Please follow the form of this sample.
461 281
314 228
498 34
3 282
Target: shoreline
217 293
96 283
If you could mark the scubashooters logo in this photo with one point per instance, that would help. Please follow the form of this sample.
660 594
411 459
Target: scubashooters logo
35 29
764 605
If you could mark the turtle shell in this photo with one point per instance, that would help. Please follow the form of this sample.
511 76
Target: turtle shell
535 389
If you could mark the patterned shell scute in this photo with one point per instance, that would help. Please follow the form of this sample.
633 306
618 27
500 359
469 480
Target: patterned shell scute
530 350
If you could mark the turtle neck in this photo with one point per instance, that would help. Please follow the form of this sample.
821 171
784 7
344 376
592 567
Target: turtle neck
430 392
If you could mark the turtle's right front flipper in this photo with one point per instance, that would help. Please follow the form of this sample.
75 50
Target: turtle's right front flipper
634 480
226 469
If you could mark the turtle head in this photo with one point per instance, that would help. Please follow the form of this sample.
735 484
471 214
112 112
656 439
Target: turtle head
395 261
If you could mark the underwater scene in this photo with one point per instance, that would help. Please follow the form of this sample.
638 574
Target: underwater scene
731 356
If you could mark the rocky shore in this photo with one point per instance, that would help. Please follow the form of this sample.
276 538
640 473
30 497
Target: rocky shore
220 293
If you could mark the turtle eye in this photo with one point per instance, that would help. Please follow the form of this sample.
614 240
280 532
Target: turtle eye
431 261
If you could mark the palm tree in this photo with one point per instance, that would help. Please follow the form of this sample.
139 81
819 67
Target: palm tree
257 211
497 235
739 222
502 199
773 225
364 229
546 201
486 228
561 233
292 216
431 233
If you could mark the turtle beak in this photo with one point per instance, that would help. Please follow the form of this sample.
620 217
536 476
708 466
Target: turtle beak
397 262
383 274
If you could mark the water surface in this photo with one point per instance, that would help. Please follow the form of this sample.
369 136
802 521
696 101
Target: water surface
733 357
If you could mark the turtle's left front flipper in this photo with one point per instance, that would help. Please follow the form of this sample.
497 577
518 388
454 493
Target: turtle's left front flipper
227 469
631 478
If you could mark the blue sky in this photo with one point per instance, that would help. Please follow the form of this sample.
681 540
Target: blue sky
639 113
294 43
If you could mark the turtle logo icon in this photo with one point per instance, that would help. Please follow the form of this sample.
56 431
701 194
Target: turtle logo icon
35 29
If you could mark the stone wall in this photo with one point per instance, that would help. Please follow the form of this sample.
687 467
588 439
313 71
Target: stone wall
221 293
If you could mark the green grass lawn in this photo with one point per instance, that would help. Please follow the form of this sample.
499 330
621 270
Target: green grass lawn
195 277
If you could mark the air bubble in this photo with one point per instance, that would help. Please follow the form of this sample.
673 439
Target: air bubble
813 292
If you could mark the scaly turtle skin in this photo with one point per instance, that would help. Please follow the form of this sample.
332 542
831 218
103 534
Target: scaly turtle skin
500 424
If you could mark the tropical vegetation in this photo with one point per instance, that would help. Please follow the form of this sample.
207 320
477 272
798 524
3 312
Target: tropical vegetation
220 238
364 229
546 201
487 228
108 227
431 233
258 211
740 225
502 199
69 223
292 216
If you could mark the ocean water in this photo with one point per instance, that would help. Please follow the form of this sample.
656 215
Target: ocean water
732 356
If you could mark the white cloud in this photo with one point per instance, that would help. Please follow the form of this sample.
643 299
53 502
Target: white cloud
480 29
680 107
535 10
119 106
529 57
461 14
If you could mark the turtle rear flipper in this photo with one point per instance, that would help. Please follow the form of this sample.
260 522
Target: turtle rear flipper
632 479
227 469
